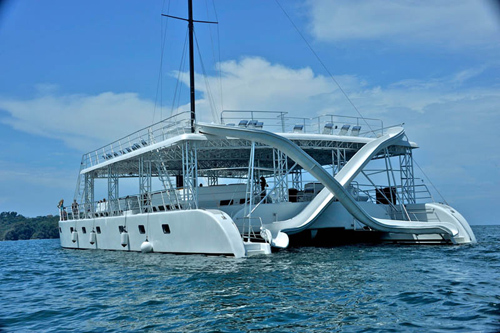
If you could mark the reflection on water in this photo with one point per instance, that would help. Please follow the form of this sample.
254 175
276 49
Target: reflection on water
349 288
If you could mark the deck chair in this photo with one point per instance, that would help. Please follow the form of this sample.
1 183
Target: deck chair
355 130
344 129
243 123
230 124
298 128
252 124
328 129
259 125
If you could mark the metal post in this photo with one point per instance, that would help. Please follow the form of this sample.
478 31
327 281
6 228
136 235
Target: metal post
191 64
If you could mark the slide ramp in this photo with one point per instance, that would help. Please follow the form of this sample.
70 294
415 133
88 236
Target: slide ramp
334 187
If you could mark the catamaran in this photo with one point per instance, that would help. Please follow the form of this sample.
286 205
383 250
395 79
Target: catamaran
256 181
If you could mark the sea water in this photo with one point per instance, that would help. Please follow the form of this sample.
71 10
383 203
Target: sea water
360 288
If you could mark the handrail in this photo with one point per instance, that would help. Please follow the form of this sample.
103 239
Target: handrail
146 136
283 122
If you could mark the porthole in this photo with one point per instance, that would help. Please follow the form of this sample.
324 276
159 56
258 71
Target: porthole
142 230
166 228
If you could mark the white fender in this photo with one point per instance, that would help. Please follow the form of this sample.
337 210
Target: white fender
124 239
92 237
146 247
74 236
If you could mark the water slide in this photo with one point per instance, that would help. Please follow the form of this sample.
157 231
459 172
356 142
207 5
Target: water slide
334 187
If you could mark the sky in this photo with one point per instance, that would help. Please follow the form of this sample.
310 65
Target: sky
75 75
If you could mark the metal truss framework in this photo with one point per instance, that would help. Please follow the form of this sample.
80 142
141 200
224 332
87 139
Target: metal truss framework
88 193
297 179
145 185
190 175
280 166
339 159
113 188
407 177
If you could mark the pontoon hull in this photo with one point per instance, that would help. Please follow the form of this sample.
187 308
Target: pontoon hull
186 232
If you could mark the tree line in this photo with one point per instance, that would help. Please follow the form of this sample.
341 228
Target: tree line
14 226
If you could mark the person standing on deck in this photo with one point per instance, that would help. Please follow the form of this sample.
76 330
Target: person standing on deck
74 209
263 185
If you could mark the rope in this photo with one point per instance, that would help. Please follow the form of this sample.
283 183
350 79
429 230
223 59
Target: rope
159 84
429 180
207 83
179 73
324 66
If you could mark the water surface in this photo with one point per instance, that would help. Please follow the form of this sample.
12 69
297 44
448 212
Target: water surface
361 288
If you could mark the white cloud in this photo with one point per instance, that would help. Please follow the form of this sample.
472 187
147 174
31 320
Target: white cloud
453 122
448 23
82 121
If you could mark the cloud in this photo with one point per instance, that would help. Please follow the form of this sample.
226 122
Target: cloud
81 121
453 121
442 23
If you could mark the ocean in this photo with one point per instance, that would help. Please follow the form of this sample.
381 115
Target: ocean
354 288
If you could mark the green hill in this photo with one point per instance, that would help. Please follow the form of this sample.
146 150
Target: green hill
14 226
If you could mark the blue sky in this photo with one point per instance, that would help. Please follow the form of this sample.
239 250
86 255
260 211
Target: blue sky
76 75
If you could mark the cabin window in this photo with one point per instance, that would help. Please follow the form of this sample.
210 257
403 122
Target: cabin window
226 202
142 230
60 230
98 229
71 229
242 201
84 230
166 228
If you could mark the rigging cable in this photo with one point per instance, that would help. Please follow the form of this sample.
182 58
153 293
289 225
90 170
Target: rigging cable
159 85
179 73
218 64
435 188
324 66
207 83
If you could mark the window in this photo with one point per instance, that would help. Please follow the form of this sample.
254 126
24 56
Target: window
60 230
84 230
142 230
98 229
166 228
71 229
226 202
121 228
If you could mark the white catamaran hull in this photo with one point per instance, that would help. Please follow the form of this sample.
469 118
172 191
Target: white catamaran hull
186 232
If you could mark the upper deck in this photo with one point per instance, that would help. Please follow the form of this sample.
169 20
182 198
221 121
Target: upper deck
316 135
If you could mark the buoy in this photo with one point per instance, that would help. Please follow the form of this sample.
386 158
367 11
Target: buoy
92 237
146 247
74 236
124 237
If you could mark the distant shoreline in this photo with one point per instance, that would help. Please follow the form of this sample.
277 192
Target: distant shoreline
14 226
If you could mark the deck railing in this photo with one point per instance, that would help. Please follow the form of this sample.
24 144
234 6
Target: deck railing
162 130
280 121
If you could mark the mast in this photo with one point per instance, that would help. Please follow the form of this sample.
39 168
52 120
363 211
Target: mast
191 64
191 22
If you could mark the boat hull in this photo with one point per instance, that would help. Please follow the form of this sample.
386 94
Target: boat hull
186 232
